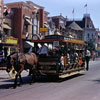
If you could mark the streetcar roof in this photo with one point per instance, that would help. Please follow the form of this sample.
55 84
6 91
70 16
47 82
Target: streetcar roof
60 38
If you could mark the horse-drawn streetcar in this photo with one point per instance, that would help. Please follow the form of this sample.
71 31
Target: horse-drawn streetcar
58 56
65 56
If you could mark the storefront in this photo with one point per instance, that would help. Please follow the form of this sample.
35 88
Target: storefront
11 44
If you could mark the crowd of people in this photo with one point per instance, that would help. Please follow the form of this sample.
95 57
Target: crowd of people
43 51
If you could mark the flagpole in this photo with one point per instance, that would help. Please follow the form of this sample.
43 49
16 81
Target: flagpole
73 17
85 6
73 14
86 10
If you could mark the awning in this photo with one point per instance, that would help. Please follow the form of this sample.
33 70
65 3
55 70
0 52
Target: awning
6 26
28 21
45 25
28 44
6 44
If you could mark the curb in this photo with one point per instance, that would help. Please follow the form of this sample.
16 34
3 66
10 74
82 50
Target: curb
2 68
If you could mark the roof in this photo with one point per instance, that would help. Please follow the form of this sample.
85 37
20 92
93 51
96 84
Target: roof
60 17
60 38
75 26
80 23
29 4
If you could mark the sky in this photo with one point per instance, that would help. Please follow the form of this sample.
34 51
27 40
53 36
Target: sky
65 7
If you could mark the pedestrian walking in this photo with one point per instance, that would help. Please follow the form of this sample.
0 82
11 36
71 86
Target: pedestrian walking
87 58
93 55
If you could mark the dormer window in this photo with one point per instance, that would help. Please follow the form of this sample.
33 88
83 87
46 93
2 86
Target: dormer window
90 25
88 35
61 22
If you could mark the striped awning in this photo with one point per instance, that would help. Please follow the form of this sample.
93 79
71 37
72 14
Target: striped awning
5 26
28 21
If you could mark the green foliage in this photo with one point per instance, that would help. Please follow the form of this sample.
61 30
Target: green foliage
91 45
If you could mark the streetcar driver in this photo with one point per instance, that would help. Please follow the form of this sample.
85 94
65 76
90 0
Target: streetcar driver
43 50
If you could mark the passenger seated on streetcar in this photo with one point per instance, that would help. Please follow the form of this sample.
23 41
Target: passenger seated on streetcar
76 56
72 56
80 62
55 51
35 48
62 61
43 50
68 56
1 55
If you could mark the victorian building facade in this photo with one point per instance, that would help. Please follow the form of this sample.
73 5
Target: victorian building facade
27 19
60 23
89 32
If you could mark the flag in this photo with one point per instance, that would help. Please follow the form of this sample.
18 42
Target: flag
85 5
73 11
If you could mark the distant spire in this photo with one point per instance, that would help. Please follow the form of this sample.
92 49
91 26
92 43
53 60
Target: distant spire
60 14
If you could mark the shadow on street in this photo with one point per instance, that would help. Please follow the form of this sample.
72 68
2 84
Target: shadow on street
39 79
96 80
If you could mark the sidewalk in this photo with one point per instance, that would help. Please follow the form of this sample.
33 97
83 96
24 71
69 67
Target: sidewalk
2 68
96 59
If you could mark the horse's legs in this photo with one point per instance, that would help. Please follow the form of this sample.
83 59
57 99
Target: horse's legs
33 78
33 74
15 83
21 81
30 72
19 73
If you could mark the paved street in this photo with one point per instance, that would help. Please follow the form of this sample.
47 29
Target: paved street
85 86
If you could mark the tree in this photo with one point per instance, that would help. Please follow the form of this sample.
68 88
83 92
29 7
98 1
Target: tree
91 45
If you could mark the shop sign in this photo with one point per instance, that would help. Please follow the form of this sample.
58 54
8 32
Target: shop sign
11 40
56 43
78 41
43 29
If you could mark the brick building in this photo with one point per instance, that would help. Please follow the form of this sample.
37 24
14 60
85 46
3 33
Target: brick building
27 19
60 23
1 18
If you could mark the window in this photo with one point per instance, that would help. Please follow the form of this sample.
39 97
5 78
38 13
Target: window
35 25
61 21
90 25
26 27
6 32
88 35
92 36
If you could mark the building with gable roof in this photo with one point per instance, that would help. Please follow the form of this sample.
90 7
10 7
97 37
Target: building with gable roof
89 31
87 25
